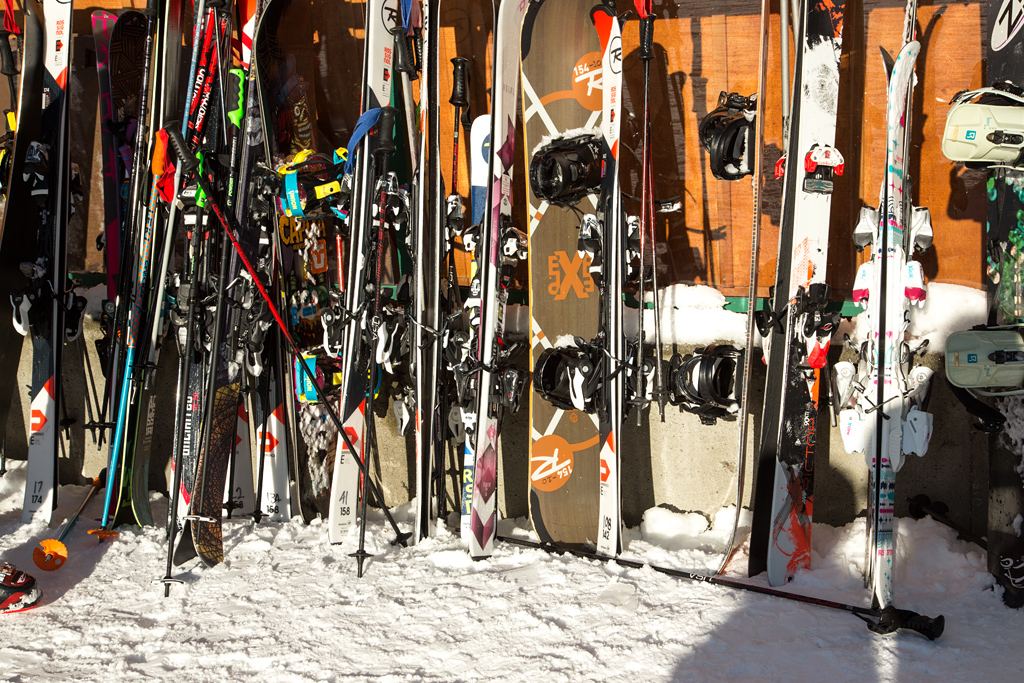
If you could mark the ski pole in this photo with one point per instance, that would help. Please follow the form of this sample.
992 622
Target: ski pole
921 505
460 100
51 554
385 146
189 163
880 621
647 206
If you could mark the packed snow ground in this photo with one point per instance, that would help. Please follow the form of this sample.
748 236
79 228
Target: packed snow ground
287 606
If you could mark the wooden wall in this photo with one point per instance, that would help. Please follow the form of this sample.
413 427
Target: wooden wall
701 51
706 46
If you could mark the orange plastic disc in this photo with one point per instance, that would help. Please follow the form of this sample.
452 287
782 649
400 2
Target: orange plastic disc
50 555
102 534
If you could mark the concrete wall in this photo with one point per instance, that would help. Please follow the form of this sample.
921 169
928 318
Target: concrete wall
679 464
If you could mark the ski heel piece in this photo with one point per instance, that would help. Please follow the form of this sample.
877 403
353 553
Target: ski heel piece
867 226
891 620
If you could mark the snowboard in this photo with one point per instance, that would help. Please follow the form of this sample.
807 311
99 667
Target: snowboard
796 329
561 92
1004 42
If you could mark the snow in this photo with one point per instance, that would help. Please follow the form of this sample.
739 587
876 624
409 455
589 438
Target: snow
947 308
287 606
692 314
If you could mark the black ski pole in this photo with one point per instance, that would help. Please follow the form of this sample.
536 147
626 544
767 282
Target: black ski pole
880 621
647 213
385 146
189 164
460 100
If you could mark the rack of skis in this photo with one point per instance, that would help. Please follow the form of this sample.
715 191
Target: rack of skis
314 264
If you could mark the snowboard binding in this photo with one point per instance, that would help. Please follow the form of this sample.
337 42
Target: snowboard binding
727 134
569 377
564 170
708 382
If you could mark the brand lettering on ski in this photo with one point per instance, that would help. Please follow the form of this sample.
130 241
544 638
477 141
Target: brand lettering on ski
551 461
587 82
615 52
389 17
1009 20
1013 570
569 274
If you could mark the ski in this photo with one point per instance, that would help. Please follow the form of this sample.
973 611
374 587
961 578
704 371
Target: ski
882 400
500 247
797 329
41 307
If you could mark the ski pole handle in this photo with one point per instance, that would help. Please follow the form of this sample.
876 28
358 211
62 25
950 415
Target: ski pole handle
892 619
7 67
236 87
152 8
460 76
189 162
386 131
647 38
404 62
929 627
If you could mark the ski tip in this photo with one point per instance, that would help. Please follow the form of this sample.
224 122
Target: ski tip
50 555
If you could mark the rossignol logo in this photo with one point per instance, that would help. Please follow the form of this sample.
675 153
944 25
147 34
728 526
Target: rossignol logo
389 16
587 83
615 53
569 274
1008 22
551 461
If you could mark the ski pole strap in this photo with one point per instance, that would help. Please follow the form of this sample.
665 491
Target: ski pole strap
292 196
366 122
991 419
9 23
643 9
406 13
